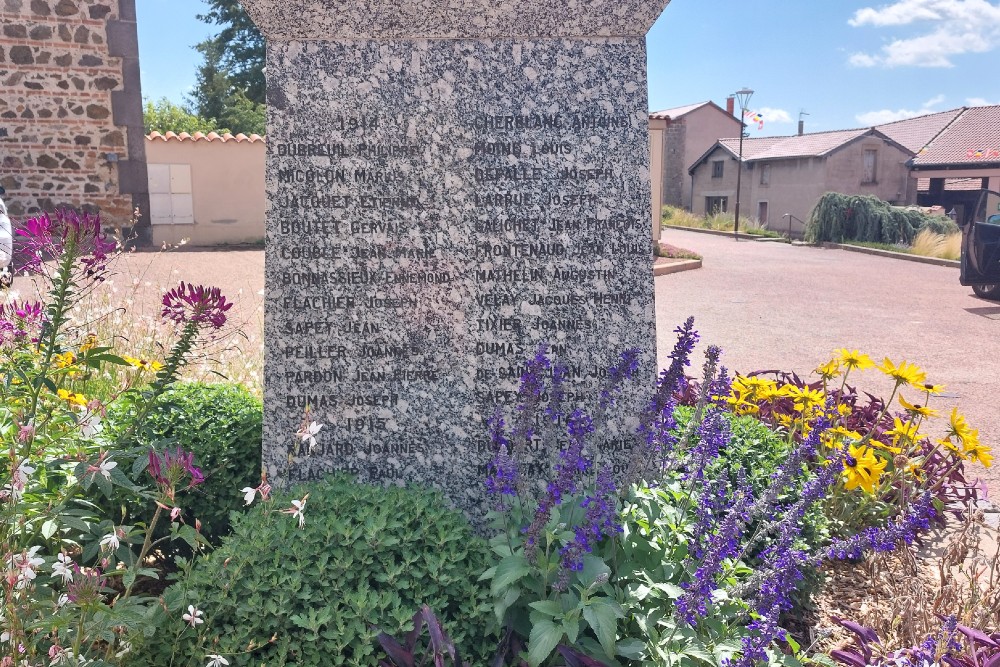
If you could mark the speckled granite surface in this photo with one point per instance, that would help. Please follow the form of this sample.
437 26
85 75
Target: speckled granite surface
452 19
438 208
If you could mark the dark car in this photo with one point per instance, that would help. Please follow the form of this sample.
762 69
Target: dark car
981 247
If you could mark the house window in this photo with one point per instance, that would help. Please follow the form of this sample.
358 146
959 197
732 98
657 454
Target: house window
870 160
170 200
716 205
765 174
717 166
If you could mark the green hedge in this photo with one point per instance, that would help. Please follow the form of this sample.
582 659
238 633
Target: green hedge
366 558
837 218
222 425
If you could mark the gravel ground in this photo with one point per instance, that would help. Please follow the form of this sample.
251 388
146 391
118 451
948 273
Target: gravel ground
777 306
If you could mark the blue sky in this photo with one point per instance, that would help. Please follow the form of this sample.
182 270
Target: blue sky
846 63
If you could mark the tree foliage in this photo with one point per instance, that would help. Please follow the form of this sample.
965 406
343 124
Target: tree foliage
231 84
165 116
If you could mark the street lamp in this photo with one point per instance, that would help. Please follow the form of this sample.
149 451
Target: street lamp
742 97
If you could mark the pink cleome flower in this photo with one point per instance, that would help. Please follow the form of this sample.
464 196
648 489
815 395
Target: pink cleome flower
196 304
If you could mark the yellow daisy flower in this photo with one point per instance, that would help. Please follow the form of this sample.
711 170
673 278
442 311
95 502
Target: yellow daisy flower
957 426
854 359
862 468
932 389
980 454
904 373
72 398
905 431
64 360
829 370
89 343
915 410
153 366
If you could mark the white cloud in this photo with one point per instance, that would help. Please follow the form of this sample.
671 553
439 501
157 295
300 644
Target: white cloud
979 102
881 116
958 26
774 115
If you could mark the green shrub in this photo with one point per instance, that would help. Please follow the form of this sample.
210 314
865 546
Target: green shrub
221 424
837 218
941 225
367 557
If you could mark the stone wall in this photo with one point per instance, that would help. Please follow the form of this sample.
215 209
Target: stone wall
71 110
674 169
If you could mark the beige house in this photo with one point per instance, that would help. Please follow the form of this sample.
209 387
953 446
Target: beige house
206 188
783 177
960 160
678 137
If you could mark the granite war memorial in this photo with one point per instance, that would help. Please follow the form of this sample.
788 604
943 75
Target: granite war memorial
450 184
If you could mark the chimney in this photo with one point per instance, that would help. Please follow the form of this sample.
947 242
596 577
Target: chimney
730 105
802 127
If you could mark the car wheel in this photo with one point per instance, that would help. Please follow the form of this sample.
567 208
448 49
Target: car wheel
987 291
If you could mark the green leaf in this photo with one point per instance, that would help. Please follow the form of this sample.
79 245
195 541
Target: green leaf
501 606
632 648
593 567
549 608
510 570
603 615
49 528
544 637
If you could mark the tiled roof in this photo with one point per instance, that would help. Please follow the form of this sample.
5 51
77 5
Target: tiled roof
815 144
924 184
915 133
676 112
201 136
972 139
752 147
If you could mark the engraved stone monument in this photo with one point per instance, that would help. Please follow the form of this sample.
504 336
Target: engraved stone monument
450 183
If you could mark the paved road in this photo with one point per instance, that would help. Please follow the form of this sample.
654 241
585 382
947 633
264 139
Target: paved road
776 306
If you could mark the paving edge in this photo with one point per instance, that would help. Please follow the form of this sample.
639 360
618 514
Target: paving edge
937 261
666 268
716 232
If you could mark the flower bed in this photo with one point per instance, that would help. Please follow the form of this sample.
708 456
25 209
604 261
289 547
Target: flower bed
740 493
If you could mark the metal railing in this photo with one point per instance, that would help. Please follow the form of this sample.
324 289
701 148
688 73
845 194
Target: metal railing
790 218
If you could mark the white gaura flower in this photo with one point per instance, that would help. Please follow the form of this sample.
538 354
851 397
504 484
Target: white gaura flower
248 494
106 467
216 660
308 434
193 616
298 509
63 568
25 563
110 541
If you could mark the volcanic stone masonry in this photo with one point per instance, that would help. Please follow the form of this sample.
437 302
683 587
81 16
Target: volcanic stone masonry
71 110
437 208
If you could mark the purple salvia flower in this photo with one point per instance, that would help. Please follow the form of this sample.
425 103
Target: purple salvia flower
618 375
791 468
195 304
669 379
554 410
886 538
570 467
530 396
723 545
600 521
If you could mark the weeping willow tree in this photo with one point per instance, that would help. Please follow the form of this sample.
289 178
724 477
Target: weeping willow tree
838 218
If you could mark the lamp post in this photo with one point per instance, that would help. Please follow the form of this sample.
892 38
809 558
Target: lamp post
742 97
